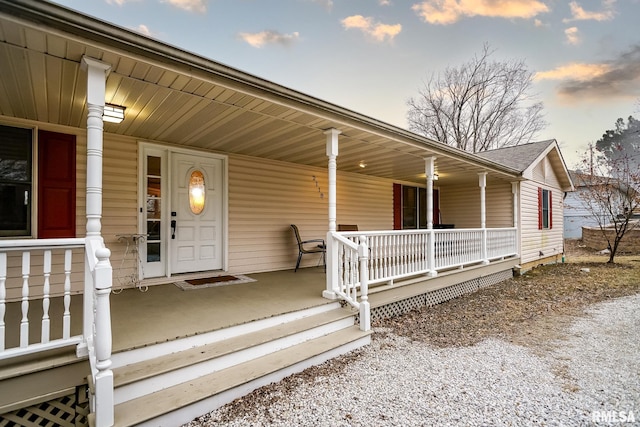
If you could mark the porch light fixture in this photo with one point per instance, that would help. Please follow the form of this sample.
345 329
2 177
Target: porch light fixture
435 176
113 113
362 164
196 192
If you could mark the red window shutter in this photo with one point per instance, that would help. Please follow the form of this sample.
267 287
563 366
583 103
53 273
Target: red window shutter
539 208
397 207
550 211
436 207
56 185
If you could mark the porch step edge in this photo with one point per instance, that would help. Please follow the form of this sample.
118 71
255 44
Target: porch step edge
150 351
37 362
138 371
150 407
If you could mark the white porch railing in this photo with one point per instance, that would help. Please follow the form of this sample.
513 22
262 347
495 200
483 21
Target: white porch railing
394 255
55 258
351 260
18 254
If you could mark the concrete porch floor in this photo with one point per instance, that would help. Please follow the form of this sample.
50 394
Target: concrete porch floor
165 312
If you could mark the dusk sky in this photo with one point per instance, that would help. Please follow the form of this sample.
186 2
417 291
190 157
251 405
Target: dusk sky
370 56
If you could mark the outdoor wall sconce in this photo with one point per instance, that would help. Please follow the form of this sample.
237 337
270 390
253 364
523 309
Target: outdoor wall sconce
196 192
113 113
435 177
362 164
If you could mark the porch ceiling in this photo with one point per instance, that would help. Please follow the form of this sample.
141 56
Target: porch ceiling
175 97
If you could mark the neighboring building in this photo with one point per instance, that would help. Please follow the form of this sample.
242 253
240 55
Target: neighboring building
199 179
578 213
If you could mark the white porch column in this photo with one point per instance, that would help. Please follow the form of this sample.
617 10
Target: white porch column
98 272
97 72
430 171
482 181
516 204
332 255
514 191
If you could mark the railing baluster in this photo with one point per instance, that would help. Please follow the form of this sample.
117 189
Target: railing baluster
66 316
3 296
46 289
24 323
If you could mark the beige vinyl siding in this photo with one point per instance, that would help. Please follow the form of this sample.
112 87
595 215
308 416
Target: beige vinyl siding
119 215
120 204
265 197
460 205
534 241
119 201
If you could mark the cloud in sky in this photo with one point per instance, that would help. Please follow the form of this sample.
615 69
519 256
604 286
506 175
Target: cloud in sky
199 6
143 29
579 14
263 38
573 35
617 78
378 31
450 11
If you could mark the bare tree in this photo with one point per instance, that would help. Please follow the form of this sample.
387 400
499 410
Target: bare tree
479 106
611 194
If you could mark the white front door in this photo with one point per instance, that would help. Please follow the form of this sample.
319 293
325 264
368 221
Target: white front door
197 226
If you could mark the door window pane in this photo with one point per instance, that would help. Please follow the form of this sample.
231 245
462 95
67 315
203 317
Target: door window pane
154 208
153 252
15 181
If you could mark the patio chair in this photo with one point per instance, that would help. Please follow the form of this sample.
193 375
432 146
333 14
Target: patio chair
315 246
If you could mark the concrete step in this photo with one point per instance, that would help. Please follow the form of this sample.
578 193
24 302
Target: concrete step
141 378
183 402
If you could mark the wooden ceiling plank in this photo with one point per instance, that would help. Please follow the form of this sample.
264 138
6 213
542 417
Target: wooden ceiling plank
166 121
53 80
124 66
38 74
140 70
7 83
70 77
56 46
13 34
180 82
35 40
264 129
167 78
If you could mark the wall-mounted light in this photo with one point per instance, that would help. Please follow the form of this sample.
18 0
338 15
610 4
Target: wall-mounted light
435 177
113 113
362 164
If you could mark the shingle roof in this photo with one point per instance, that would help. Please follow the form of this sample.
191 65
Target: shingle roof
518 157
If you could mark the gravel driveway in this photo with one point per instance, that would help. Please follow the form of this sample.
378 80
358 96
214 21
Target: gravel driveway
589 376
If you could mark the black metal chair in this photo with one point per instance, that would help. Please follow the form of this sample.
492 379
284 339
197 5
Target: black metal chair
318 247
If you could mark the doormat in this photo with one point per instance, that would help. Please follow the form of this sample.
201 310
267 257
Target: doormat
211 282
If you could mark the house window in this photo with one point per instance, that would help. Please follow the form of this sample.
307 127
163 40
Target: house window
410 207
545 217
55 189
15 181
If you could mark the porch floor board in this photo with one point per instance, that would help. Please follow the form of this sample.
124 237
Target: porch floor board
166 312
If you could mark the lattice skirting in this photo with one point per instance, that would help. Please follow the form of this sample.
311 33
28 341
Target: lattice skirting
67 411
438 296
